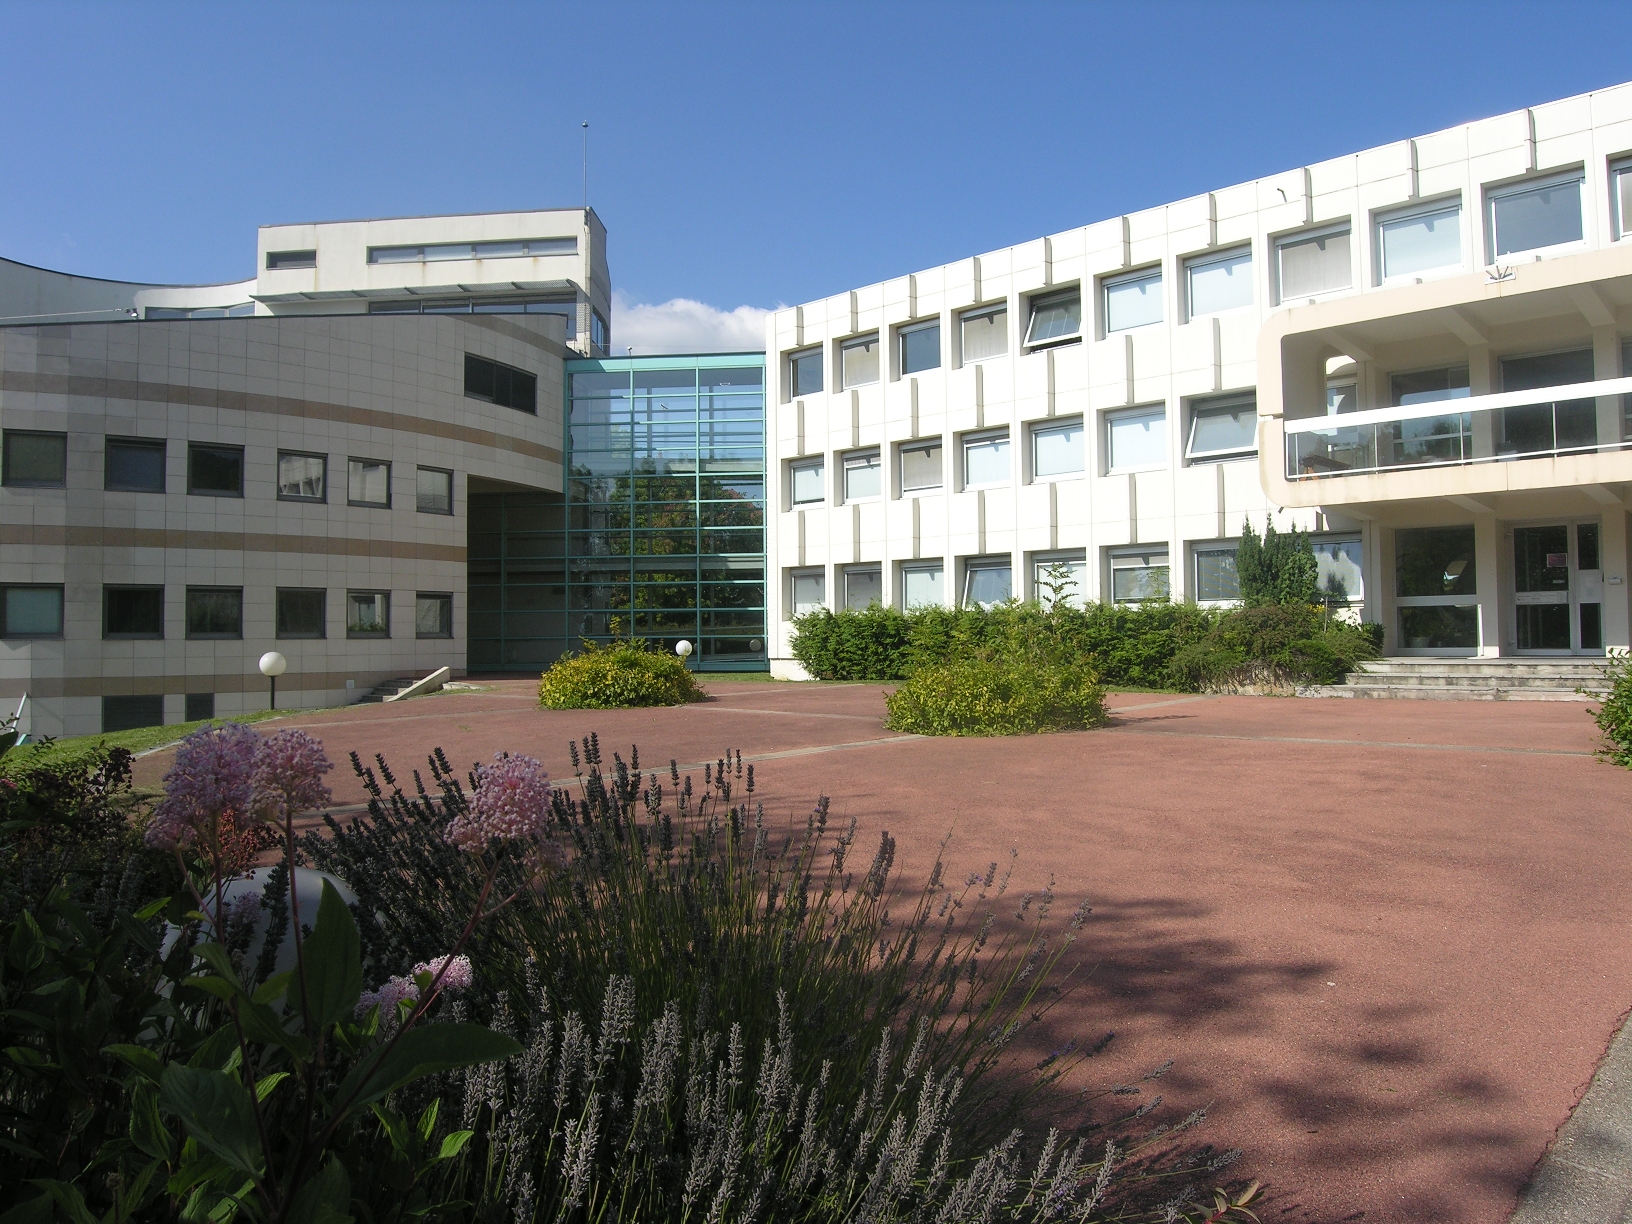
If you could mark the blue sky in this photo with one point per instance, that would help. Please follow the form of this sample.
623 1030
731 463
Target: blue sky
741 154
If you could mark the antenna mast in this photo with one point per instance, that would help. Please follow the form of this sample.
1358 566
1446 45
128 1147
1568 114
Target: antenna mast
586 165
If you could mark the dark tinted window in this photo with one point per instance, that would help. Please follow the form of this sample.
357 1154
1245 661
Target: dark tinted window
500 384
433 616
215 471
30 611
302 612
129 712
215 612
35 460
199 706
136 464
132 611
291 259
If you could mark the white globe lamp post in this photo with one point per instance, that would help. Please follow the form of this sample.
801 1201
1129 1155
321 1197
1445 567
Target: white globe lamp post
683 649
273 665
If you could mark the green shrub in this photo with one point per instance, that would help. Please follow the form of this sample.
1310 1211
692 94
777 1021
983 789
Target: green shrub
1614 715
617 676
852 645
997 697
1273 644
1275 568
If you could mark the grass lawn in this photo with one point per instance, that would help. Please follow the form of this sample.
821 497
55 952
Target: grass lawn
138 739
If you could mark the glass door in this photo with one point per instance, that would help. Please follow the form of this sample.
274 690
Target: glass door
1557 589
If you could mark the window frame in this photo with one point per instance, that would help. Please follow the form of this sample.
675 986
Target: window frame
795 466
6 632
352 460
854 343
1524 186
921 566
1113 555
1199 549
925 444
187 614
981 312
873 569
1041 300
1620 167
290 261
279 633
795 573
858 459
800 357
1432 208
445 598
159 445
982 564
194 448
474 361
368 634
8 480
108 635
448 472
1326 538
1057 425
913 329
295 497
1312 234
1218 404
1209 258
1151 272
1123 414
982 437
1066 556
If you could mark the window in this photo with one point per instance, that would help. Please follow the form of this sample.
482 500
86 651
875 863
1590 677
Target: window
198 707
986 459
1339 577
1061 575
34 460
130 711
920 347
1536 215
1313 264
567 308
1056 449
809 590
368 614
1341 397
1225 428
303 477
1217 283
1425 240
987 582
1561 424
1138 574
984 333
133 464
215 471
240 310
862 475
1620 180
133 611
807 483
805 372
859 359
1134 300
433 616
517 248
863 587
434 494
1055 318
921 585
277 261
920 466
1426 386
302 612
368 482
31 611
599 335
1136 440
498 384
1216 580
1436 589
215 612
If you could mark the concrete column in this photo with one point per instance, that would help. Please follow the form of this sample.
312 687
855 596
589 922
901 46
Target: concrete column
1606 363
1617 590
1482 381
1487 547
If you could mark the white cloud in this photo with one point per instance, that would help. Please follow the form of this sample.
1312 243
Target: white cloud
681 325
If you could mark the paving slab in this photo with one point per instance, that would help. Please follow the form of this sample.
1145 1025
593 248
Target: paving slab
1386 941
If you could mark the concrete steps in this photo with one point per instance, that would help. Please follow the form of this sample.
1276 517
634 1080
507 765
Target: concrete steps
1527 679
386 691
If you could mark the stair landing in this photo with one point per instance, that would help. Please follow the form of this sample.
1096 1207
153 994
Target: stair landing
1478 679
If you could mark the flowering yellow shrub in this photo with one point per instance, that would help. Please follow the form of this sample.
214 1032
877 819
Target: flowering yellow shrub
618 676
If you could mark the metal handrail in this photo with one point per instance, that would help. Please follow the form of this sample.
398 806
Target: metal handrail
1461 404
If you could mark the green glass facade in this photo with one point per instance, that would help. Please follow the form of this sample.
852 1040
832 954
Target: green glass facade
660 534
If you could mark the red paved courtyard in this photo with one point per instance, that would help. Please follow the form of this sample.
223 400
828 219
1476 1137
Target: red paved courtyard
1386 940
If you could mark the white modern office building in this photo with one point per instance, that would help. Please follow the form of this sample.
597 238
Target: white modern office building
1415 353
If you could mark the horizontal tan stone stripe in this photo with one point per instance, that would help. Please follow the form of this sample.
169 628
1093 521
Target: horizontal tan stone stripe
50 536
48 687
87 387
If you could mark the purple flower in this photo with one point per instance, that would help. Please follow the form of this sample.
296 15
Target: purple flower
512 800
210 778
288 775
399 989
458 976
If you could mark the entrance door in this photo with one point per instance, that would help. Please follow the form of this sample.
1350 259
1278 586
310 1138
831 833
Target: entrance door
1557 589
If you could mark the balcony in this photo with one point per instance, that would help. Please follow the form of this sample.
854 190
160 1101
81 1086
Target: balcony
1540 423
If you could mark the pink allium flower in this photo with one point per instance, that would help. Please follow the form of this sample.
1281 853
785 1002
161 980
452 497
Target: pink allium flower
459 974
512 800
288 775
210 779
243 908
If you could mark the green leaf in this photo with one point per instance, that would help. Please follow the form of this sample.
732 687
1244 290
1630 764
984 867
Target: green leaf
216 1111
139 1059
395 1128
454 1144
427 1120
265 1085
324 1199
68 1198
423 1051
218 1049
272 989
151 910
334 964
35 1211
147 1129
